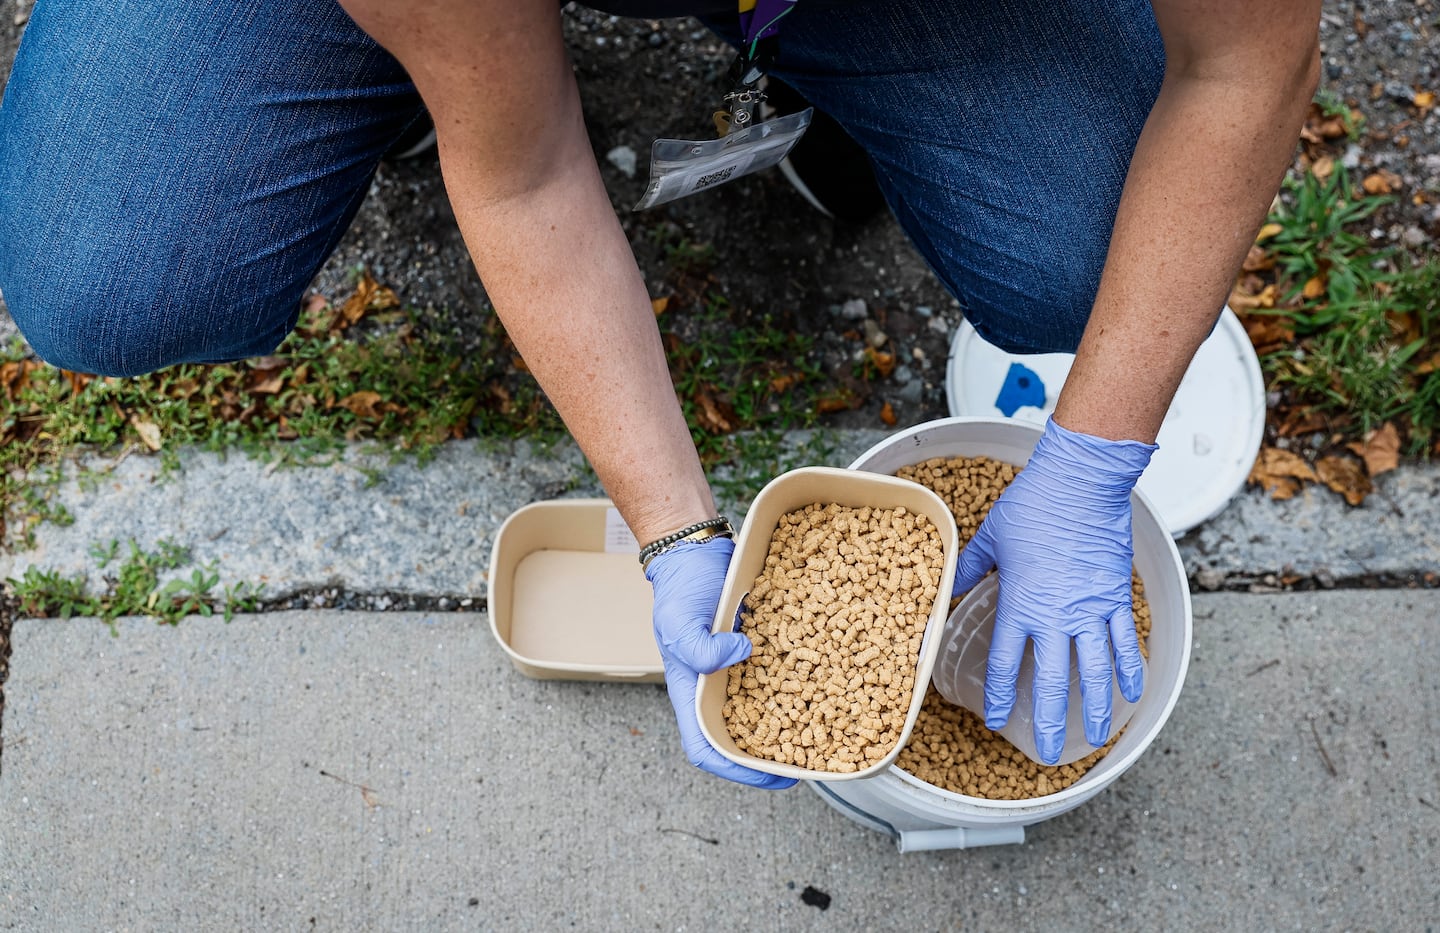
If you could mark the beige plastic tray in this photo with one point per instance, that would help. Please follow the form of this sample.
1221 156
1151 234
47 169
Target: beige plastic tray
795 490
568 600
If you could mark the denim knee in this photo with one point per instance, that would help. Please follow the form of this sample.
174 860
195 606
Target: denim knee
106 301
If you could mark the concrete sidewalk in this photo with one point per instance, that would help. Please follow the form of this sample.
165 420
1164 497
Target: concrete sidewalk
349 771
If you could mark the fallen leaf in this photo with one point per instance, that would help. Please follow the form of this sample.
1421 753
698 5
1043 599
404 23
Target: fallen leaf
784 382
149 433
368 296
884 363
658 305
1268 332
714 415
1243 301
1323 167
77 381
267 382
840 400
887 414
1280 472
1258 260
362 404
1381 182
1314 287
1346 477
1268 231
1302 421
16 376
1430 365
316 302
1380 449
1424 99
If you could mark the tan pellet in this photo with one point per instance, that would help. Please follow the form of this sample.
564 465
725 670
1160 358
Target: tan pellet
950 746
836 618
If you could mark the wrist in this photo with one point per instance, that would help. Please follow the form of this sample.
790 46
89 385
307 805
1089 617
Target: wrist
1096 460
695 533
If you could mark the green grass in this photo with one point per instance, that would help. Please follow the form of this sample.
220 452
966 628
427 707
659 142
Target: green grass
731 377
1368 324
321 389
134 590
1322 235
739 384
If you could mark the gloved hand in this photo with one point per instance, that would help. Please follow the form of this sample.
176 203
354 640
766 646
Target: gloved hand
687 579
1061 537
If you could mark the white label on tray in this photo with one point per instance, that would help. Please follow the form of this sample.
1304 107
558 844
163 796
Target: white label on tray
618 539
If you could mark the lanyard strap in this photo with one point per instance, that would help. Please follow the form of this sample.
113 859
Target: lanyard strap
760 19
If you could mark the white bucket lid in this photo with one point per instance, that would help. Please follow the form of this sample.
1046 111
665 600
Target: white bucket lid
1208 441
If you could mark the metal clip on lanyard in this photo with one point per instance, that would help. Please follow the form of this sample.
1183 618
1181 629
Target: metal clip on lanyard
759 25
682 167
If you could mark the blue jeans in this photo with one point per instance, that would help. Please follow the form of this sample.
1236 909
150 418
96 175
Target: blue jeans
172 175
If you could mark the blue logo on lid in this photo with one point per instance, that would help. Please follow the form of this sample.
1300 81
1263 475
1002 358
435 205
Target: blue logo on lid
1021 387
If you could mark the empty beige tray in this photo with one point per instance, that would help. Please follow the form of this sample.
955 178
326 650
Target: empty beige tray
786 493
568 599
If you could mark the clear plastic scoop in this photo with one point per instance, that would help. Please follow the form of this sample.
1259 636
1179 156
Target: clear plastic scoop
960 677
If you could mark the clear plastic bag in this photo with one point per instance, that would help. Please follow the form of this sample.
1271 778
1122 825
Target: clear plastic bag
681 167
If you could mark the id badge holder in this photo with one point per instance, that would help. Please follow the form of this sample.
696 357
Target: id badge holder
681 167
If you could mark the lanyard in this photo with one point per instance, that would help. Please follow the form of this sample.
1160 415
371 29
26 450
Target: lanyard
760 19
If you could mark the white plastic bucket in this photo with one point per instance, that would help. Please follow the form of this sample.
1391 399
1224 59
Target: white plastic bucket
918 815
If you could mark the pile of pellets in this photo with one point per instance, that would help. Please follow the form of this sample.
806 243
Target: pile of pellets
837 617
950 747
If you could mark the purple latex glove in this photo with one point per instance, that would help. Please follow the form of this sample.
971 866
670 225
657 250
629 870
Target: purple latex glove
1061 537
687 579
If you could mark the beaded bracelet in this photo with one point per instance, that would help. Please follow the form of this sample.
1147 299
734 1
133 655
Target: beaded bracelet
700 531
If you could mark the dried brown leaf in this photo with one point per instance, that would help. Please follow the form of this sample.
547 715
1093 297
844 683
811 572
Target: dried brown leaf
784 382
1268 332
887 415
1244 301
1380 449
1302 421
362 404
1258 260
714 415
840 400
1314 287
1381 182
1346 477
1268 231
883 362
368 296
658 305
1280 472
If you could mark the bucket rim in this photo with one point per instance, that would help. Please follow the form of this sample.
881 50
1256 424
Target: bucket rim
1081 788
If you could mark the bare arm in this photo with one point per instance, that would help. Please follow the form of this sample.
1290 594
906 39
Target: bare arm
1238 78
524 184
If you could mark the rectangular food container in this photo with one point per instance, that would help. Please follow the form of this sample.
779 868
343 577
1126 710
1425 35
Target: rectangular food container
786 493
568 600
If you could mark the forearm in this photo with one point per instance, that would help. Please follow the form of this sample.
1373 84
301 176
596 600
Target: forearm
1203 175
555 262
561 275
